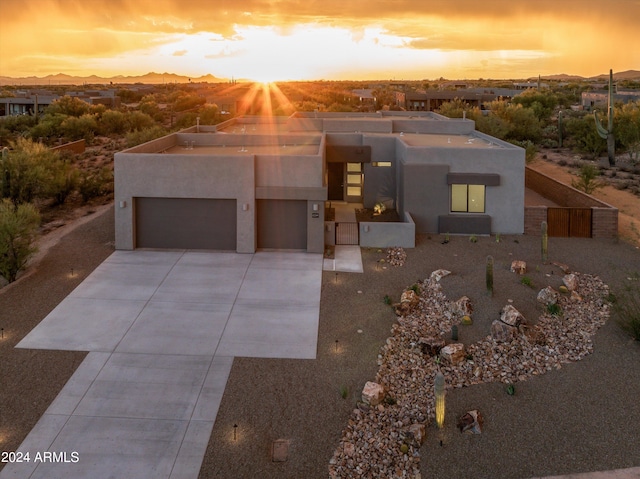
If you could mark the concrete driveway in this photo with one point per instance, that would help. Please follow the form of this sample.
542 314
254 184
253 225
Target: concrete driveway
162 328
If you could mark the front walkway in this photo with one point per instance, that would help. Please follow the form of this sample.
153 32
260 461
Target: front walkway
162 328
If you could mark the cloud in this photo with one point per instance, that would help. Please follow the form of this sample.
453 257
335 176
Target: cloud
86 29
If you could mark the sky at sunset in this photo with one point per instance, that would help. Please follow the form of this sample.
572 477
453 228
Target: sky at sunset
269 40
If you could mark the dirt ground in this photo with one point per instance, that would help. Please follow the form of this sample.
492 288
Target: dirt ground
580 418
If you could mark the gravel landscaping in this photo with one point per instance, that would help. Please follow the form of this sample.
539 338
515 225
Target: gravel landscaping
579 417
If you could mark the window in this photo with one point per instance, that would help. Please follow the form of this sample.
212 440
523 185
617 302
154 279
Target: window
467 198
384 164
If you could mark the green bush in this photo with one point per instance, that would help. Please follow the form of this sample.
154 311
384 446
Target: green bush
526 281
63 180
18 229
554 309
142 136
587 179
92 185
627 308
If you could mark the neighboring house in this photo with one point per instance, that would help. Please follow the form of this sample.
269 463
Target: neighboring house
433 100
25 103
263 182
599 99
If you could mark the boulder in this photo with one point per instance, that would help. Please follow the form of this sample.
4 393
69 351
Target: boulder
502 332
408 301
453 353
570 281
511 316
410 296
575 297
438 274
372 393
462 307
415 434
431 345
471 422
548 296
519 267
565 269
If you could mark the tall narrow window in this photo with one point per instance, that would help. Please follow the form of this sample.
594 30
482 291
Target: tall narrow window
467 198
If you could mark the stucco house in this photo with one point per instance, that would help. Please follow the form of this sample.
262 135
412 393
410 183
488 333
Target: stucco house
264 183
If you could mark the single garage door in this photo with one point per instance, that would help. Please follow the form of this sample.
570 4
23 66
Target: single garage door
282 224
186 223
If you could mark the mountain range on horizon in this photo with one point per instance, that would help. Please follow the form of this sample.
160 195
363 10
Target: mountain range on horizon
160 78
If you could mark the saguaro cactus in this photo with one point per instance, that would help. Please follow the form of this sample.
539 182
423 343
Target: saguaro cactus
490 275
439 390
545 241
607 133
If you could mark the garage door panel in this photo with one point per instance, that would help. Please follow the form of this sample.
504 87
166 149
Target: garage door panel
282 224
186 223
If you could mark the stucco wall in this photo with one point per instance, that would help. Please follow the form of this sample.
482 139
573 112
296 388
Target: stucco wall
385 235
444 127
289 171
504 203
184 176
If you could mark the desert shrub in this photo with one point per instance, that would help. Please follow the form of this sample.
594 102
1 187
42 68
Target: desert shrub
525 280
24 171
587 179
142 136
92 185
78 128
554 309
62 181
627 308
18 229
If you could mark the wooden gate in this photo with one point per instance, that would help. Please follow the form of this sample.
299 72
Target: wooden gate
347 234
569 222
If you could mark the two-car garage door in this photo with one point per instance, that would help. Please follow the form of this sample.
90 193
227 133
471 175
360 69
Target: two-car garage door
197 223
186 223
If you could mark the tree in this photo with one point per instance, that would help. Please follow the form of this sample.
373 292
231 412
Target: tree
541 102
49 126
113 122
627 129
78 128
18 229
583 136
68 105
454 109
137 121
23 171
62 181
142 136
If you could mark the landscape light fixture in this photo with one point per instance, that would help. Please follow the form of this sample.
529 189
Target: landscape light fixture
439 390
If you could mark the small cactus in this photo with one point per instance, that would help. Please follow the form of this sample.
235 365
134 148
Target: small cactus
490 275
511 389
454 332
545 241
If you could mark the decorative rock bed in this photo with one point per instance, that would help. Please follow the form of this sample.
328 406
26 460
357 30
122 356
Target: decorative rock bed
384 440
